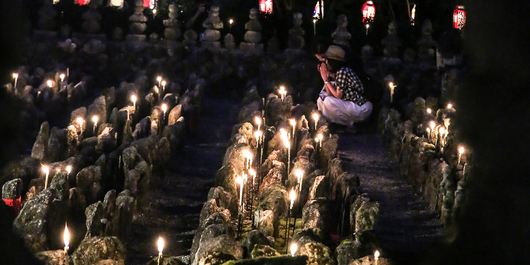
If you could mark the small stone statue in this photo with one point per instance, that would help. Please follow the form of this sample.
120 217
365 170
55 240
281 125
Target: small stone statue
229 41
91 19
253 27
296 33
391 41
426 43
172 31
47 16
212 24
341 36
253 35
138 25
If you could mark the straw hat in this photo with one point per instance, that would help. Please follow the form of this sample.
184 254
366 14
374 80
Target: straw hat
335 52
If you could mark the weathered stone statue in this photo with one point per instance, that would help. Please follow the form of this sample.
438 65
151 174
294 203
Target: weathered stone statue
172 31
253 34
138 25
296 33
91 19
212 24
341 36
190 38
426 43
229 42
47 16
391 41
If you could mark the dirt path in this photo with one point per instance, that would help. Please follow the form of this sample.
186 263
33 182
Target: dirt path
406 228
177 198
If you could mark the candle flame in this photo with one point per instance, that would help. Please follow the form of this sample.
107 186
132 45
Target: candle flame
441 130
80 121
314 20
282 90
460 150
46 169
449 106
133 98
292 195
315 116
49 83
239 180
163 83
160 245
231 21
164 107
299 173
66 236
258 134
294 248
252 172
390 84
433 125
376 254
287 143
15 75
257 119
429 110
95 119
292 122
367 26
62 77
68 169
158 78
320 136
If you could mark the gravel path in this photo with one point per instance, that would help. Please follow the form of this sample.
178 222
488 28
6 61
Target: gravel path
177 198
406 229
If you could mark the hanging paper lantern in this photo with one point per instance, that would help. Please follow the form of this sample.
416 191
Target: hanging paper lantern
83 2
316 12
459 17
265 6
368 12
117 3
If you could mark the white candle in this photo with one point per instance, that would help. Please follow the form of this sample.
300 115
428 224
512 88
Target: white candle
66 238
15 76
258 121
432 125
163 86
133 99
160 245
314 26
292 197
62 77
282 92
46 171
294 248
392 86
80 121
315 118
293 124
159 79
258 135
252 172
367 26
428 133
95 121
320 137
239 180
460 152
164 109
299 175
376 256
68 169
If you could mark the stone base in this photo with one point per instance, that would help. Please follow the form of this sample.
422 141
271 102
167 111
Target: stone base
45 34
211 44
135 37
251 47
89 36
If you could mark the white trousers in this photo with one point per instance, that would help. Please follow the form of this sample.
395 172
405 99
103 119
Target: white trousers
342 112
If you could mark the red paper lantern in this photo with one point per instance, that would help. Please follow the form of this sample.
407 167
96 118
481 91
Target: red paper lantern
368 12
83 2
265 6
459 17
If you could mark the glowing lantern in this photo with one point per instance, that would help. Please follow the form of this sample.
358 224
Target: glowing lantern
319 10
82 2
265 6
459 17
149 3
117 3
368 12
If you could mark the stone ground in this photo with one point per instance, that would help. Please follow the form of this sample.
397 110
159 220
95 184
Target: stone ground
406 228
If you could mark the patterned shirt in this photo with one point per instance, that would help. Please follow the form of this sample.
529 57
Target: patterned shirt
350 85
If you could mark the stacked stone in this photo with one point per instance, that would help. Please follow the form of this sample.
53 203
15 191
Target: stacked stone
138 25
296 33
212 25
341 36
253 35
172 31
47 21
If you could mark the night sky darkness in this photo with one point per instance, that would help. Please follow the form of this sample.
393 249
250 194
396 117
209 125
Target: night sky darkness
493 119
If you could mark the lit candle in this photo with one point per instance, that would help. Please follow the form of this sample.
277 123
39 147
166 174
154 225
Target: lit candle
449 106
293 124
258 135
376 256
428 133
252 172
299 175
154 12
62 77
66 237
460 152
231 21
49 83
133 99
257 119
314 26
239 180
282 92
316 142
367 26
164 109
95 119
392 86
159 79
294 248
68 169
292 197
320 137
80 121
288 145
429 110
432 125
46 171
163 86
160 245
15 76
315 118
